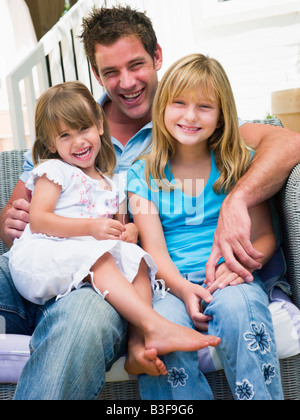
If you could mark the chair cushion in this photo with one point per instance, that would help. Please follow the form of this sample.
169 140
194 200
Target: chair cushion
286 320
14 353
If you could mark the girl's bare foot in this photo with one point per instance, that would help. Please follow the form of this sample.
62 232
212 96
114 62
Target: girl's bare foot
145 361
159 364
170 337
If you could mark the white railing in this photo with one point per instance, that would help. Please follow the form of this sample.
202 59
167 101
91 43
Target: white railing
58 57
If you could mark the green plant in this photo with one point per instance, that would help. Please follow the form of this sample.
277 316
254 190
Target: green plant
270 116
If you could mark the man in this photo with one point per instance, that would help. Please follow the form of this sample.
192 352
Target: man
79 337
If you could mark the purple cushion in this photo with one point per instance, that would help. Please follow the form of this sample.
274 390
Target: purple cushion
14 353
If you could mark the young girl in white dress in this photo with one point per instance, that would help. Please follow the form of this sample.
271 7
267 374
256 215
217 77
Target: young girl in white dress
79 232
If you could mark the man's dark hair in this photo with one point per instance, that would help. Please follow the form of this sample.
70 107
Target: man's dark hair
105 26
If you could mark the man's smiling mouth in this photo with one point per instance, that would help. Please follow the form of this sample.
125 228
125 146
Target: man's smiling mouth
131 97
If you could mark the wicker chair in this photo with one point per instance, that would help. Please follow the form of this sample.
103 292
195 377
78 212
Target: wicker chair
120 386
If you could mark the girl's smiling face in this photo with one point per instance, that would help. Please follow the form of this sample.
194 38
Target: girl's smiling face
192 119
79 147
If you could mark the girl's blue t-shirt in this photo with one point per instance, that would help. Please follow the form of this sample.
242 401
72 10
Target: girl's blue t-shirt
189 223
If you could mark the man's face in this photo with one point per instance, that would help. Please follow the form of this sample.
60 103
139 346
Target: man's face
129 76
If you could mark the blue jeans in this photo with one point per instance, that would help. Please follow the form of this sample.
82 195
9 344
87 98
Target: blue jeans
74 341
248 351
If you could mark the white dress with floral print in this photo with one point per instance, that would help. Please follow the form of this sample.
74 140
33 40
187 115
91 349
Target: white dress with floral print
45 267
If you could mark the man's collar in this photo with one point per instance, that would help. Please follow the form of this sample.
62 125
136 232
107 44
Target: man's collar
105 98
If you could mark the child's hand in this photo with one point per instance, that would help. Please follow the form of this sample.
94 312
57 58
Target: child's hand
107 229
131 233
224 277
193 297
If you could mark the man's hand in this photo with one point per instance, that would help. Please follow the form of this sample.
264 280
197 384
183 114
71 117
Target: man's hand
232 242
17 217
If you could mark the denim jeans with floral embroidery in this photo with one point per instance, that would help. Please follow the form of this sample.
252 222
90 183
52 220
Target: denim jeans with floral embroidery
248 351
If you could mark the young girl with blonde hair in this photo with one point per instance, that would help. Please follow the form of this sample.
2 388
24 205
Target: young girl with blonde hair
79 232
176 192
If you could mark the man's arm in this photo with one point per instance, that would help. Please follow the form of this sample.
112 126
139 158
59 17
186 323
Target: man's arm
277 153
15 215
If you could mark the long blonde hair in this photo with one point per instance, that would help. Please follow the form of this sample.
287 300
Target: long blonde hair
72 104
186 76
